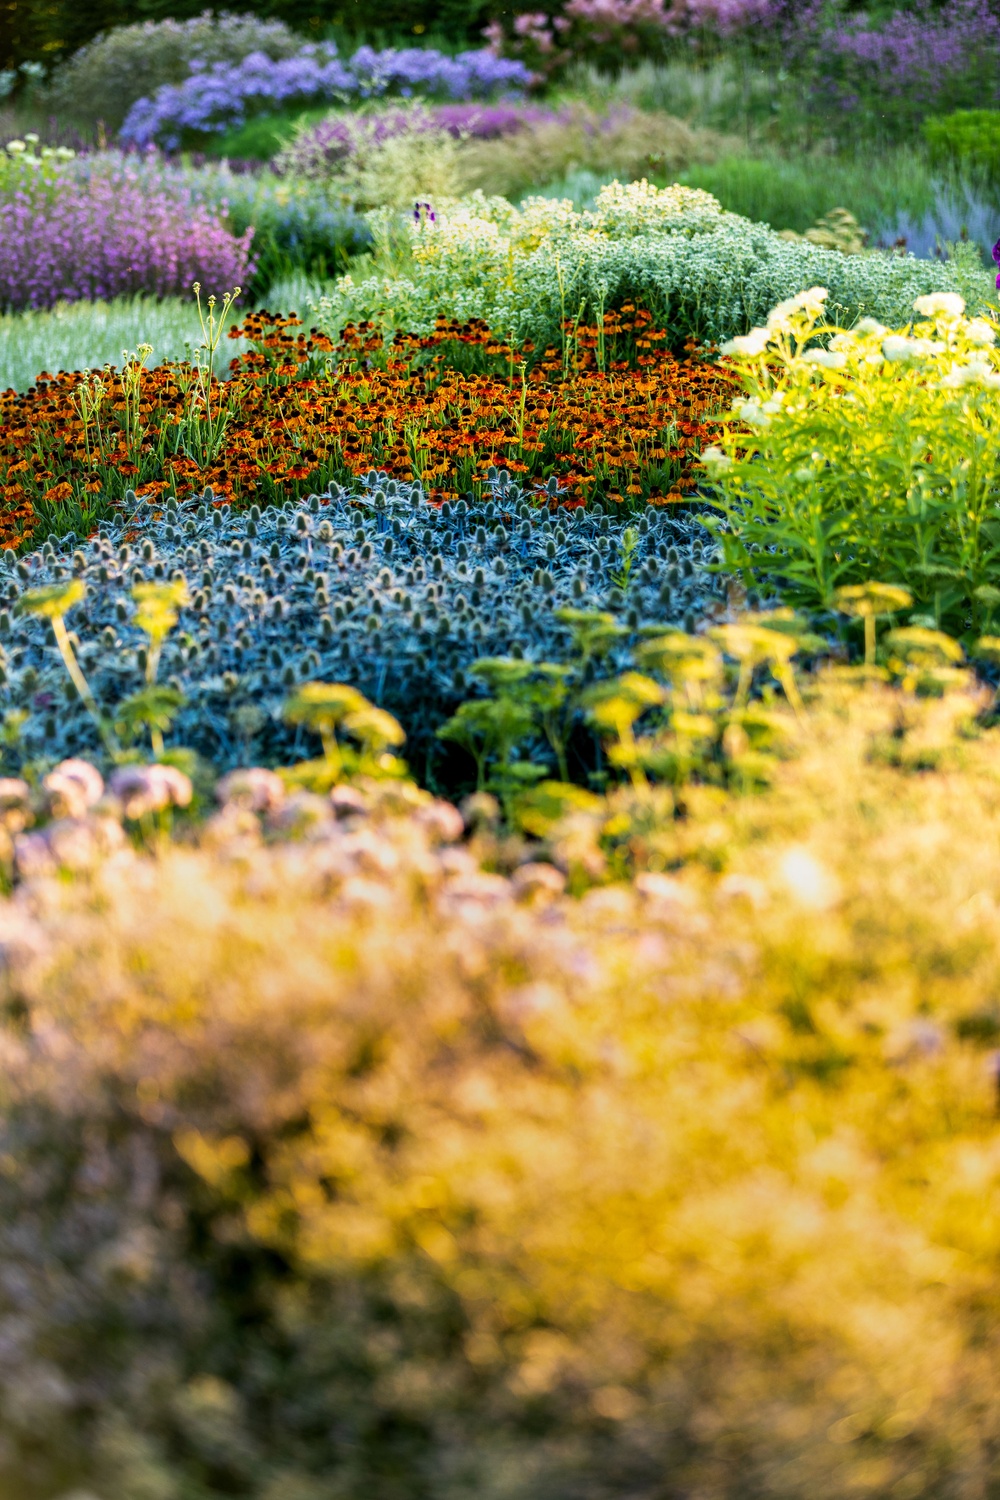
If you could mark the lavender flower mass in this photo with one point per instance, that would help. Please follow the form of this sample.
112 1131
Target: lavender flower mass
109 226
217 98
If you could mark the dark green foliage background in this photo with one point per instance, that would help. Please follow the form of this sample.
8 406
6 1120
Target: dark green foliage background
51 30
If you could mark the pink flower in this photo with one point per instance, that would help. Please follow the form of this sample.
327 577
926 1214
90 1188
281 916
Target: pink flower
255 788
146 789
72 787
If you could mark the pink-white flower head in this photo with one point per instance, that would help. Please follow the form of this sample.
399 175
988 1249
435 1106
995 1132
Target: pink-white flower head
146 789
255 788
72 787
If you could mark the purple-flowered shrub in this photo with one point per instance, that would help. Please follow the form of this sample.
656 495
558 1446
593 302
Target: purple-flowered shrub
608 32
106 227
218 98
920 61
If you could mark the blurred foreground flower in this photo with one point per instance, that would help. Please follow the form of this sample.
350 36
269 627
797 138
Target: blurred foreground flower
145 789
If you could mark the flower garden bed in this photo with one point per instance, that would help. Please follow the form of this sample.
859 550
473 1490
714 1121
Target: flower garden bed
498 858
627 434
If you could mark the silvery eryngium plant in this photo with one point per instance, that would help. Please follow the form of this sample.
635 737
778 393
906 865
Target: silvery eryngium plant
864 453
155 706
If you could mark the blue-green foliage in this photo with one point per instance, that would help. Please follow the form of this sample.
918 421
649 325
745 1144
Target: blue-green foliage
296 226
375 588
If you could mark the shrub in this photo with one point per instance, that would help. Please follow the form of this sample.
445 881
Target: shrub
703 274
100 228
967 139
44 31
874 457
105 78
216 98
373 587
346 1166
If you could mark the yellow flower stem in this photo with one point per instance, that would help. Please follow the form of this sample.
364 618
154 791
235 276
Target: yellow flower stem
80 682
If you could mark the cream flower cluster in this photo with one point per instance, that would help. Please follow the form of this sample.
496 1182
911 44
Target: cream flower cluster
963 341
704 273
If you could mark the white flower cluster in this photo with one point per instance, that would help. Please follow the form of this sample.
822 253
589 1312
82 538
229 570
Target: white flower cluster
27 149
954 345
704 273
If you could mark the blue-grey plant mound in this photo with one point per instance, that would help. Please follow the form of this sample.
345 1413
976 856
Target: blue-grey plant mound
375 588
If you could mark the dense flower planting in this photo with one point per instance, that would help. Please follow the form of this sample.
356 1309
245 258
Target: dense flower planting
372 586
392 156
875 457
923 59
106 227
606 31
219 96
628 432
704 273
293 222
104 78
348 1154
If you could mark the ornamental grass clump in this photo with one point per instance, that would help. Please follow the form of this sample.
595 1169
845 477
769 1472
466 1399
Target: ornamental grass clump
343 1155
866 454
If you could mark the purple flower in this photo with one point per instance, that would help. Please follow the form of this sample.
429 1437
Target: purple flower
108 226
213 99
922 59
996 257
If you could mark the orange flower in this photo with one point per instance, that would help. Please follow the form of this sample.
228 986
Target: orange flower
634 422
